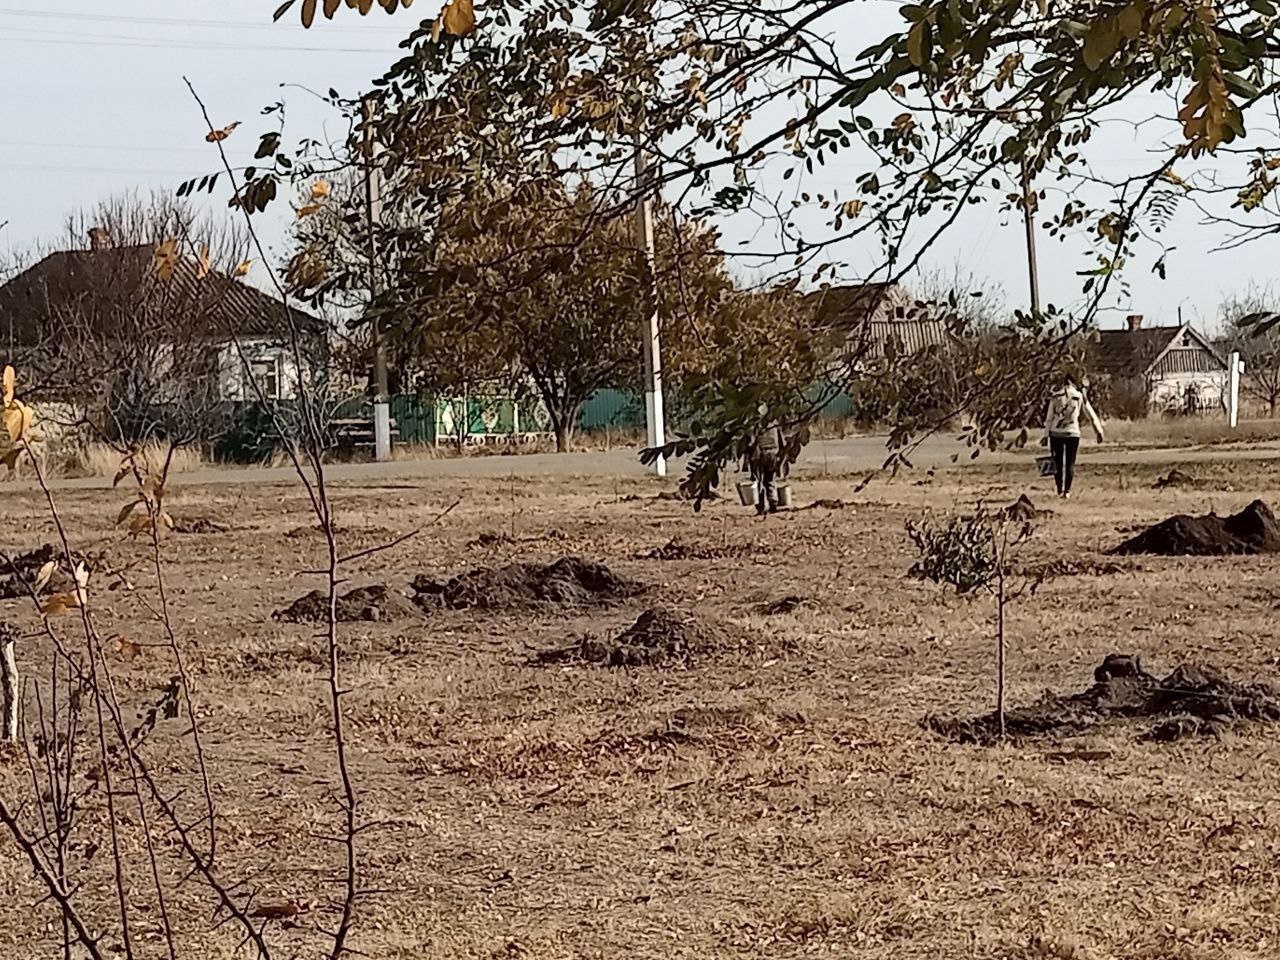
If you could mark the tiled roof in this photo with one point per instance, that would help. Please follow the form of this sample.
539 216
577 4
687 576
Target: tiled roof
851 309
1130 353
64 284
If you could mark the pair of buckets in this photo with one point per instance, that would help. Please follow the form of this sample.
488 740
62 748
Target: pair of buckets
749 495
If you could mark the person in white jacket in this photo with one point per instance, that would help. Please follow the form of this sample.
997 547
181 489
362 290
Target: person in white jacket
1062 429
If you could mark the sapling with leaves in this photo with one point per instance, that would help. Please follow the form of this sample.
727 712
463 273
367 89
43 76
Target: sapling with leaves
973 556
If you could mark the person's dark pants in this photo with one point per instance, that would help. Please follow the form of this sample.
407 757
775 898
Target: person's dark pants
1064 450
766 477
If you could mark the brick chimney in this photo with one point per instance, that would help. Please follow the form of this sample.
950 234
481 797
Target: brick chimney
1135 322
100 238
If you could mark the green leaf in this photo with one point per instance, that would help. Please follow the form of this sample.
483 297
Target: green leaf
1129 20
1240 86
920 43
1100 43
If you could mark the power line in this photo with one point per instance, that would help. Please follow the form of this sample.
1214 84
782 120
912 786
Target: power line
140 148
116 40
169 22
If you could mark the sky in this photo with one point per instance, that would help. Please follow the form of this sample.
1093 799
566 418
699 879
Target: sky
95 104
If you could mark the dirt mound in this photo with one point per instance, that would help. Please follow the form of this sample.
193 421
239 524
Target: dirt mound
373 604
1252 530
569 581
198 525
1193 700
658 637
677 549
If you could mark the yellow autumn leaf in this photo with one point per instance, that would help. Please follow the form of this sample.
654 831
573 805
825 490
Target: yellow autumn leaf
308 210
216 136
205 265
854 207
59 604
43 576
125 511
17 418
320 189
127 649
559 108
166 259
10 380
459 18
243 268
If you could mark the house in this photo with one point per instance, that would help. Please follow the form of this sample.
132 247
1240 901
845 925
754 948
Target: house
874 316
110 327
1171 369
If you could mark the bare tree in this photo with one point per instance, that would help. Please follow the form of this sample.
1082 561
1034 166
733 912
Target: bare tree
119 319
1260 349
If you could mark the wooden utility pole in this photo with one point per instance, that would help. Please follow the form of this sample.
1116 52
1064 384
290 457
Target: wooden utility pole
373 213
1029 218
655 414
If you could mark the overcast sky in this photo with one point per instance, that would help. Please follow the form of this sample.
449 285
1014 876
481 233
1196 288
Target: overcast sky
95 104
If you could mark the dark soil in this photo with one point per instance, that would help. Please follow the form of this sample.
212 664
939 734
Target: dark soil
1253 530
785 605
198 525
1052 569
828 505
1175 478
372 604
1193 700
1023 509
658 637
677 549
18 572
569 581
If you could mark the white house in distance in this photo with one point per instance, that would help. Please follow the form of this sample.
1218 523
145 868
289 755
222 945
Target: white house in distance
1178 367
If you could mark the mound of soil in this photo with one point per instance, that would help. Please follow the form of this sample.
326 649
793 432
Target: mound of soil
658 637
1253 530
677 549
1193 700
373 604
569 581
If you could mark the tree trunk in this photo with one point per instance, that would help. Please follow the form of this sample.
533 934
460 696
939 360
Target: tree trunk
8 692
563 433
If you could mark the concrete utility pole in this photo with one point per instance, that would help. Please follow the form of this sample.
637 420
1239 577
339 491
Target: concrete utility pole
1234 374
373 211
655 413
1029 219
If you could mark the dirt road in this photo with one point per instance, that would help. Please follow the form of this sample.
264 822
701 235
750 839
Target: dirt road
822 457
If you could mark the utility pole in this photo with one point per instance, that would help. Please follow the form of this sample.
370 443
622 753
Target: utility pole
1029 218
373 212
655 415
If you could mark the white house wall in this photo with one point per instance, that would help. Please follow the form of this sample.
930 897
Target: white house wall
234 381
1168 392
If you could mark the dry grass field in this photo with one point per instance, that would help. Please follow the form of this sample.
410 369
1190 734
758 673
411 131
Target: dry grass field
771 795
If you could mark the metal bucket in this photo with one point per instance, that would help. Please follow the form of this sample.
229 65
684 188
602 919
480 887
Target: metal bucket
747 493
784 494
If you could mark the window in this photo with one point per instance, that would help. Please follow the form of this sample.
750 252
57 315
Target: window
266 377
899 313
